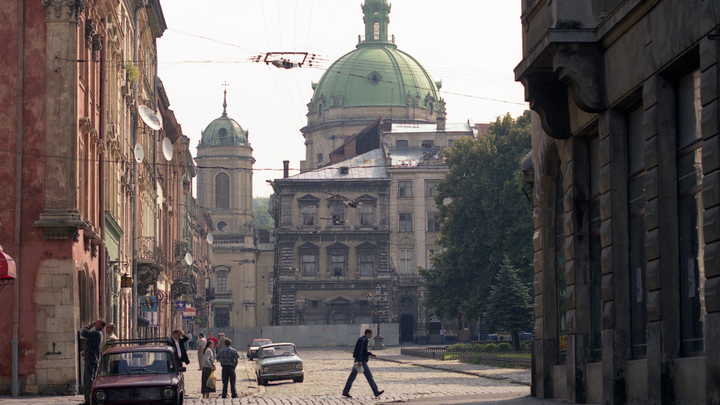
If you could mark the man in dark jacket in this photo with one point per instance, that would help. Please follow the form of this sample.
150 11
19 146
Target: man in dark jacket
91 354
362 355
177 341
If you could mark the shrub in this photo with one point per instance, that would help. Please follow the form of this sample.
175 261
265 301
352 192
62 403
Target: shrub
460 347
524 346
491 347
505 347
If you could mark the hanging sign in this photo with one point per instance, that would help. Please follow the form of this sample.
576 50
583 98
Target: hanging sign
152 317
148 304
188 314
180 306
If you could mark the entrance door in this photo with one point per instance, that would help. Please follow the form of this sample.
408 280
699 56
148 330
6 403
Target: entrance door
406 328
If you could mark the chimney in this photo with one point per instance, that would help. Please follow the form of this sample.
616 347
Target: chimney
441 122
286 169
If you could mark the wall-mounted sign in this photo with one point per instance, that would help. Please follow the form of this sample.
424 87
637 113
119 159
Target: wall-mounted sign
152 317
148 304
180 306
188 314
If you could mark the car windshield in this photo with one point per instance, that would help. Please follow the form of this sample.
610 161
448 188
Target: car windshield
277 351
260 342
149 362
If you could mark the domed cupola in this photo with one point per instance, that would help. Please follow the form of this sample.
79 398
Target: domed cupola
376 73
223 131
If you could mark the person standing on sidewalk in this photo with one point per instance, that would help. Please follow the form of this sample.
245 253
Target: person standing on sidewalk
362 355
208 365
177 342
200 348
220 343
228 360
442 335
93 334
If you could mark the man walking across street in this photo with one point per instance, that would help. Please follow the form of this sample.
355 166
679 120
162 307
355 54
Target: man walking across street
228 360
91 354
221 342
362 355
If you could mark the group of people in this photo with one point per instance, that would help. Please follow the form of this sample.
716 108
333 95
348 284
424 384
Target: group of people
210 351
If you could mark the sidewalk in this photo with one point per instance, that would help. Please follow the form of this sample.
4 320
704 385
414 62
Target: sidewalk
516 376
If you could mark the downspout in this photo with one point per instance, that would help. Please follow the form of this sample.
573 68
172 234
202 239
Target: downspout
18 194
135 208
102 265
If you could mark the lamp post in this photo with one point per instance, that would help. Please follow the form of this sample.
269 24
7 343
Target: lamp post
380 299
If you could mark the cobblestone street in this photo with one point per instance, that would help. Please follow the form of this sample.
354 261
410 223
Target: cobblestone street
404 379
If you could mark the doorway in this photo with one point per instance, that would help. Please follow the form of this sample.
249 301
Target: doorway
407 323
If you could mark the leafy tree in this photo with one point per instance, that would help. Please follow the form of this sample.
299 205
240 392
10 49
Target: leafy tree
484 215
261 216
508 306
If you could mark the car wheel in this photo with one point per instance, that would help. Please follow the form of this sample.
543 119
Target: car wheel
299 379
264 382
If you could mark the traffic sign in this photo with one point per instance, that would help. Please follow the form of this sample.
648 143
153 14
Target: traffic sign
180 306
188 314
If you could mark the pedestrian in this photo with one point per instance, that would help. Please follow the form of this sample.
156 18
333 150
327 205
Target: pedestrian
214 340
190 340
208 366
91 354
442 335
201 347
221 343
362 355
110 338
177 341
228 361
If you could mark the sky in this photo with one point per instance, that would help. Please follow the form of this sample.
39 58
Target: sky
471 45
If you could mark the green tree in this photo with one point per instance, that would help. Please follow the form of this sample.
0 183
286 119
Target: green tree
508 306
484 215
261 216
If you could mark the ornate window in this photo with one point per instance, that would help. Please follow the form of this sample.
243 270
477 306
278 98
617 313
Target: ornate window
221 281
222 191
636 232
376 31
338 259
431 188
337 214
309 259
433 225
223 133
366 259
406 261
405 222
366 213
404 189
222 317
307 214
690 207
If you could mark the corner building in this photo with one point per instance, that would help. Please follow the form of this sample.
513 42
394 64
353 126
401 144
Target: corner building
626 199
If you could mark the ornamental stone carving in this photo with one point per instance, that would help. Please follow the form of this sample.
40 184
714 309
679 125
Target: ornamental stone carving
63 10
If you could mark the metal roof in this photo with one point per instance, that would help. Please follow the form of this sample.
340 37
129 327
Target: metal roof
370 165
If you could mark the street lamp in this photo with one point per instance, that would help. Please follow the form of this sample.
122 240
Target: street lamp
380 299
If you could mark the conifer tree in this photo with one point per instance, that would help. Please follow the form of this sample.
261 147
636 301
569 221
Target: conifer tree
509 307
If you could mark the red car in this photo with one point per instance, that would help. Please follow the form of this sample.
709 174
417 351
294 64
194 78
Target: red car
134 375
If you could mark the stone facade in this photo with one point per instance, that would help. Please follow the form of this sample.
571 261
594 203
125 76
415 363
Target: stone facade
625 161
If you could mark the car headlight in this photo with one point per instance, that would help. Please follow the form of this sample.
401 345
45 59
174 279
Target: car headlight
168 392
298 366
266 369
100 396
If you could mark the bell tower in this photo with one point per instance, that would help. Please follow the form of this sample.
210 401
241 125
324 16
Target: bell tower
377 18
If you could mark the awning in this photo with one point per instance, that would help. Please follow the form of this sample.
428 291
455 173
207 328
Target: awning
7 266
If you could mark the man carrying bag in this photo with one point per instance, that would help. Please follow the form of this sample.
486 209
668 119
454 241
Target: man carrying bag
362 356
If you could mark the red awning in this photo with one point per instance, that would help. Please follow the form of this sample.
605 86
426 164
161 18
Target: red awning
7 266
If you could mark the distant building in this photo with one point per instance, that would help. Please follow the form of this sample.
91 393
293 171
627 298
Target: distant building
239 279
625 165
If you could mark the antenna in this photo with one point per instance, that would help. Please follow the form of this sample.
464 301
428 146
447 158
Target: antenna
150 118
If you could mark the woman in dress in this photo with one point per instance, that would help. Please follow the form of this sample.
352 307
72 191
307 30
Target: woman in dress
208 365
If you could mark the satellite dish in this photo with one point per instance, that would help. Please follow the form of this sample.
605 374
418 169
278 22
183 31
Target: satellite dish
167 149
149 117
210 239
139 153
160 196
188 258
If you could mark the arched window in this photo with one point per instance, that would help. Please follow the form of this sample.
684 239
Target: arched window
222 191
376 31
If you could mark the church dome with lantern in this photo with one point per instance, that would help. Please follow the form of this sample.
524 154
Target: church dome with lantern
223 131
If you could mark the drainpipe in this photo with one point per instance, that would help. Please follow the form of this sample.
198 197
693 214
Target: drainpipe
102 262
135 207
18 194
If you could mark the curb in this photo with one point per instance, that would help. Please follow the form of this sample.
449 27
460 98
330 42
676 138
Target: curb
490 377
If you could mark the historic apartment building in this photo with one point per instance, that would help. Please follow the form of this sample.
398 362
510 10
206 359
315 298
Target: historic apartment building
239 279
77 199
626 204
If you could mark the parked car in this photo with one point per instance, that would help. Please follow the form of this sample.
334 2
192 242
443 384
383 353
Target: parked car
278 361
142 374
492 336
525 336
254 345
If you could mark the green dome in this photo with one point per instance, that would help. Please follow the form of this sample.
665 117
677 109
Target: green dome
223 131
376 73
